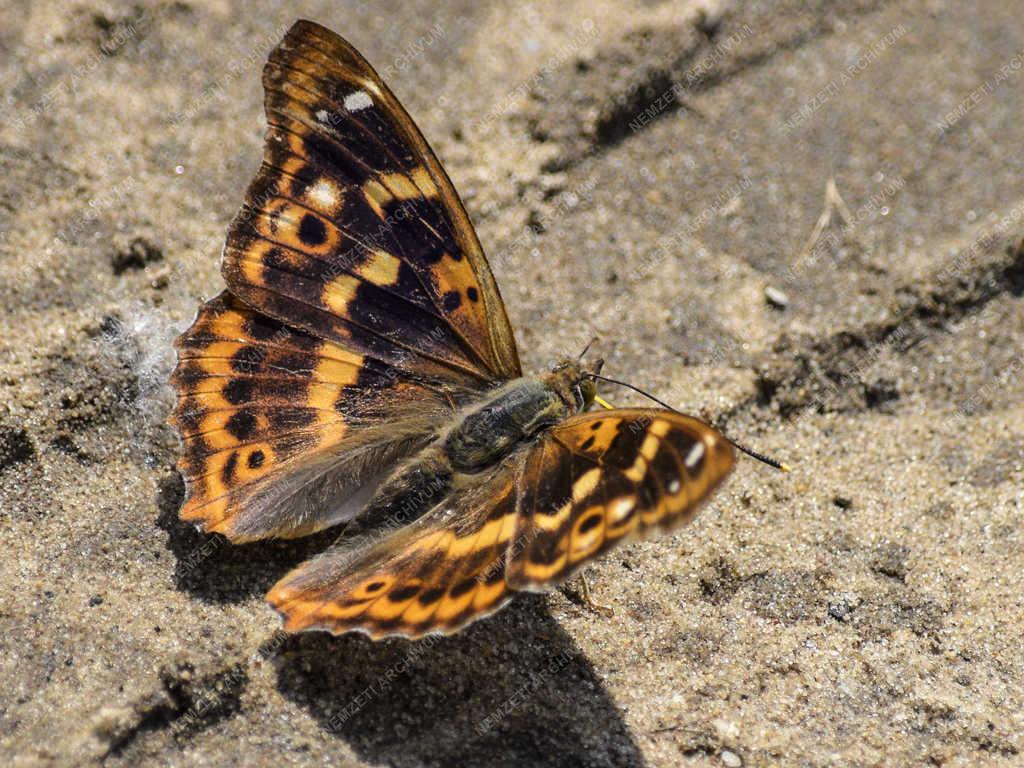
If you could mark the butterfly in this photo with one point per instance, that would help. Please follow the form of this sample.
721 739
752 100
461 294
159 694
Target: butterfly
359 369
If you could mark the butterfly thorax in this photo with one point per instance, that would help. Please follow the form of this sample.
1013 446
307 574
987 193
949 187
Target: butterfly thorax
480 436
514 412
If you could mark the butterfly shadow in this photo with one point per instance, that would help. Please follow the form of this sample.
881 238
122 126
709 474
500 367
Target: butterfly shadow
511 690
212 569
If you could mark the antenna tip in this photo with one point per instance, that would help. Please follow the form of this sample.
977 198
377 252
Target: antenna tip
785 467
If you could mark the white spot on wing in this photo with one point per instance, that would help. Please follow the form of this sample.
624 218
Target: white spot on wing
323 194
621 507
321 115
696 454
358 100
674 486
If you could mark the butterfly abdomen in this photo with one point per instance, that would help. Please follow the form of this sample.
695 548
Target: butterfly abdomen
415 486
489 431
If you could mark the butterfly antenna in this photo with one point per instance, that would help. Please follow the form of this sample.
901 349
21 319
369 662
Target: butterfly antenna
781 466
739 446
648 395
586 348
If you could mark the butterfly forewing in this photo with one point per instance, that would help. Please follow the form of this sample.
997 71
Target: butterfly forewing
599 478
360 310
353 232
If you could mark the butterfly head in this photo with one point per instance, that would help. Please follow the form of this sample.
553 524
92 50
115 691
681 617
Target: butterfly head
574 382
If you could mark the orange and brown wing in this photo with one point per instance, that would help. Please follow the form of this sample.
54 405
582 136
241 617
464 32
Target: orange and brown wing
434 576
352 231
280 427
588 484
598 478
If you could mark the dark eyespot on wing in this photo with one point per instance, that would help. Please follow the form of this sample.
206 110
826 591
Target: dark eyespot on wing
451 301
403 593
312 231
242 425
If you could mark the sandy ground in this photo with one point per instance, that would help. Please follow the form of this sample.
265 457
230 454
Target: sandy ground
649 172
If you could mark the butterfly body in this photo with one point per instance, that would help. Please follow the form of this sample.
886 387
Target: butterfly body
517 411
360 368
477 438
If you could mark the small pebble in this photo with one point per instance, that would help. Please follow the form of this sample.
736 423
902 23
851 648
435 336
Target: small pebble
731 759
775 297
840 611
161 279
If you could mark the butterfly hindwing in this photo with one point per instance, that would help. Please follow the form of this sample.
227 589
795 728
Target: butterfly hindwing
598 478
434 576
262 407
353 232
549 508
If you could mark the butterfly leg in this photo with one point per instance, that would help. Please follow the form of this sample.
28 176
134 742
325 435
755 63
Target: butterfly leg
589 599
584 596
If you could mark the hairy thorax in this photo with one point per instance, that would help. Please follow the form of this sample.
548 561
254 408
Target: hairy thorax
480 436
488 431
